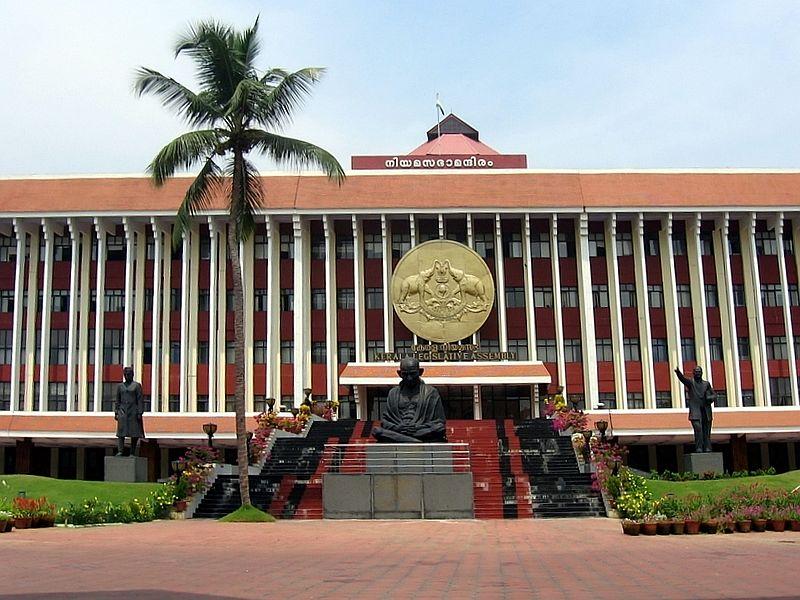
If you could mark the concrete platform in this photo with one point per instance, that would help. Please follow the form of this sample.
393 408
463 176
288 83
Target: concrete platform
130 469
703 462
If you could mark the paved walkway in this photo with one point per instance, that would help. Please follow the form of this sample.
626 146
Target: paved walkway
573 558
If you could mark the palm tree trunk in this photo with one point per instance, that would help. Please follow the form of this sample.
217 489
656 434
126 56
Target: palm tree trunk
243 458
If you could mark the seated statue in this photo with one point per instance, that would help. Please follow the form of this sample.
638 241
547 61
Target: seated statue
414 411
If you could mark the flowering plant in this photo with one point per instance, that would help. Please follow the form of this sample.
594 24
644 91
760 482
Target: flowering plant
563 417
26 507
197 463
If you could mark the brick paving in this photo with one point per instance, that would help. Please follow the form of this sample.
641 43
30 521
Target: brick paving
570 558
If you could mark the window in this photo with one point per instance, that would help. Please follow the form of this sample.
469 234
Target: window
112 347
347 352
765 243
678 245
597 244
374 297
569 297
573 351
230 352
660 350
540 244
260 403
260 246
546 350
688 350
706 243
345 298
734 242
318 299
8 249
512 245
175 352
114 301
204 300
630 348
715 348
663 400
287 299
777 348
748 398
202 403
720 398
205 248
115 247
5 395
58 346
260 352
608 400
287 352
150 248
373 347
635 400
260 300
174 404
780 391
60 300
651 244
712 296
605 350
318 248
794 295
771 295
520 347
148 299
566 245
57 396
600 296
744 348
401 243
175 299
6 301
484 244
319 353
344 247
373 245
90 351
515 297
491 345
579 400
655 296
287 245
684 294
627 295
403 347
797 347
624 243
738 295
6 346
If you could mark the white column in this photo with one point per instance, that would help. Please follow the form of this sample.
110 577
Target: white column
388 310
185 263
21 232
615 305
302 321
727 311
476 337
528 273
247 254
500 278
86 236
587 311
127 327
778 225
697 286
643 310
477 408
155 341
274 311
412 224
671 308
30 323
138 301
194 285
755 314
213 303
47 311
101 229
358 273
556 275
441 226
331 339
221 323
166 311
74 295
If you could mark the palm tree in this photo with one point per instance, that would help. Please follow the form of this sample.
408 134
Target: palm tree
231 115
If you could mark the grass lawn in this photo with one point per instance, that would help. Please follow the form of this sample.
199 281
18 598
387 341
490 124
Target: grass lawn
786 481
248 514
63 491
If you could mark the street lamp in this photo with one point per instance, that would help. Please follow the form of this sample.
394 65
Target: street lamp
600 406
210 429
602 426
587 437
271 404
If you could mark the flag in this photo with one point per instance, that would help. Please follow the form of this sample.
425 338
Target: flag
439 106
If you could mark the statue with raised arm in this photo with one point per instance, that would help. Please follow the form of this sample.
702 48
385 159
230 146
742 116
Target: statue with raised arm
128 411
700 400
414 411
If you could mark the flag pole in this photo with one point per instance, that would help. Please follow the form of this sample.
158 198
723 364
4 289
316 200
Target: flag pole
438 117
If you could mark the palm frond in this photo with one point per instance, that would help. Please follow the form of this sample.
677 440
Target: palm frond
248 45
197 109
200 195
296 153
286 93
210 45
182 153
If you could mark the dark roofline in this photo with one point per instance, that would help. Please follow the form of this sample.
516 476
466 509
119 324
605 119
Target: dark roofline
452 124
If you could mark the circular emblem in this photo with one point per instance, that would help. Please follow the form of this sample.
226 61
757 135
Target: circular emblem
442 291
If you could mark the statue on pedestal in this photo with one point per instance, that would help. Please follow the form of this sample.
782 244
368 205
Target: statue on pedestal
128 411
700 400
414 411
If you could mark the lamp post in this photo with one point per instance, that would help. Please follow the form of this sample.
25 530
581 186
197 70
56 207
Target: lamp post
307 394
271 404
602 426
587 438
210 429
600 406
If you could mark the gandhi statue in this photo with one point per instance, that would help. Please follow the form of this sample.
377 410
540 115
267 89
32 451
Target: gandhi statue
700 399
128 410
414 411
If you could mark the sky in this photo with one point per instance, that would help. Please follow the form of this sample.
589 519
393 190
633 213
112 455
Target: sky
574 85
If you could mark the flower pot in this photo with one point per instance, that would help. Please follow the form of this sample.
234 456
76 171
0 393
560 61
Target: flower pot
678 527
743 526
180 505
36 522
48 521
9 525
710 526
22 522
630 528
794 524
649 528
664 527
728 527
759 525
3 526
777 524
692 527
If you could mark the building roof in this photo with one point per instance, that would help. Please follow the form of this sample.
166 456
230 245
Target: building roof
453 143
433 190
452 124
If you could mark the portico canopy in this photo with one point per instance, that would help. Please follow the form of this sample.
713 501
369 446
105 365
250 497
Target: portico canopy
450 373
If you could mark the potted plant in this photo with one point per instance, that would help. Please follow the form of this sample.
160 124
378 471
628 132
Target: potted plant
728 523
24 511
776 520
794 518
756 514
692 522
649 525
5 518
663 524
741 521
45 512
630 527
181 492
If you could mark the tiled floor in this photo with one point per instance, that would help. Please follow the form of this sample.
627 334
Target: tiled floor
571 558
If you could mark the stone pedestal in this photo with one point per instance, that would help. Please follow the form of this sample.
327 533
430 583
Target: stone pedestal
408 458
130 469
703 462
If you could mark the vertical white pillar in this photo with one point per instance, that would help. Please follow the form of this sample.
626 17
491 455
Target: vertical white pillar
697 286
587 311
155 335
727 311
388 311
16 336
74 295
358 273
477 407
185 263
47 310
99 313
166 311
778 225
528 273
755 314
615 305
476 337
441 226
643 310
191 345
274 312
86 235
412 224
127 327
331 339
247 254
556 275
500 278
222 316
137 351
671 307
213 304
302 321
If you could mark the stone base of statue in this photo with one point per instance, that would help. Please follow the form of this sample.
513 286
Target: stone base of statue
409 458
703 462
130 469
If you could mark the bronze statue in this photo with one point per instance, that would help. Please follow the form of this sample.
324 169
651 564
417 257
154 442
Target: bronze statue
414 411
700 399
128 410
